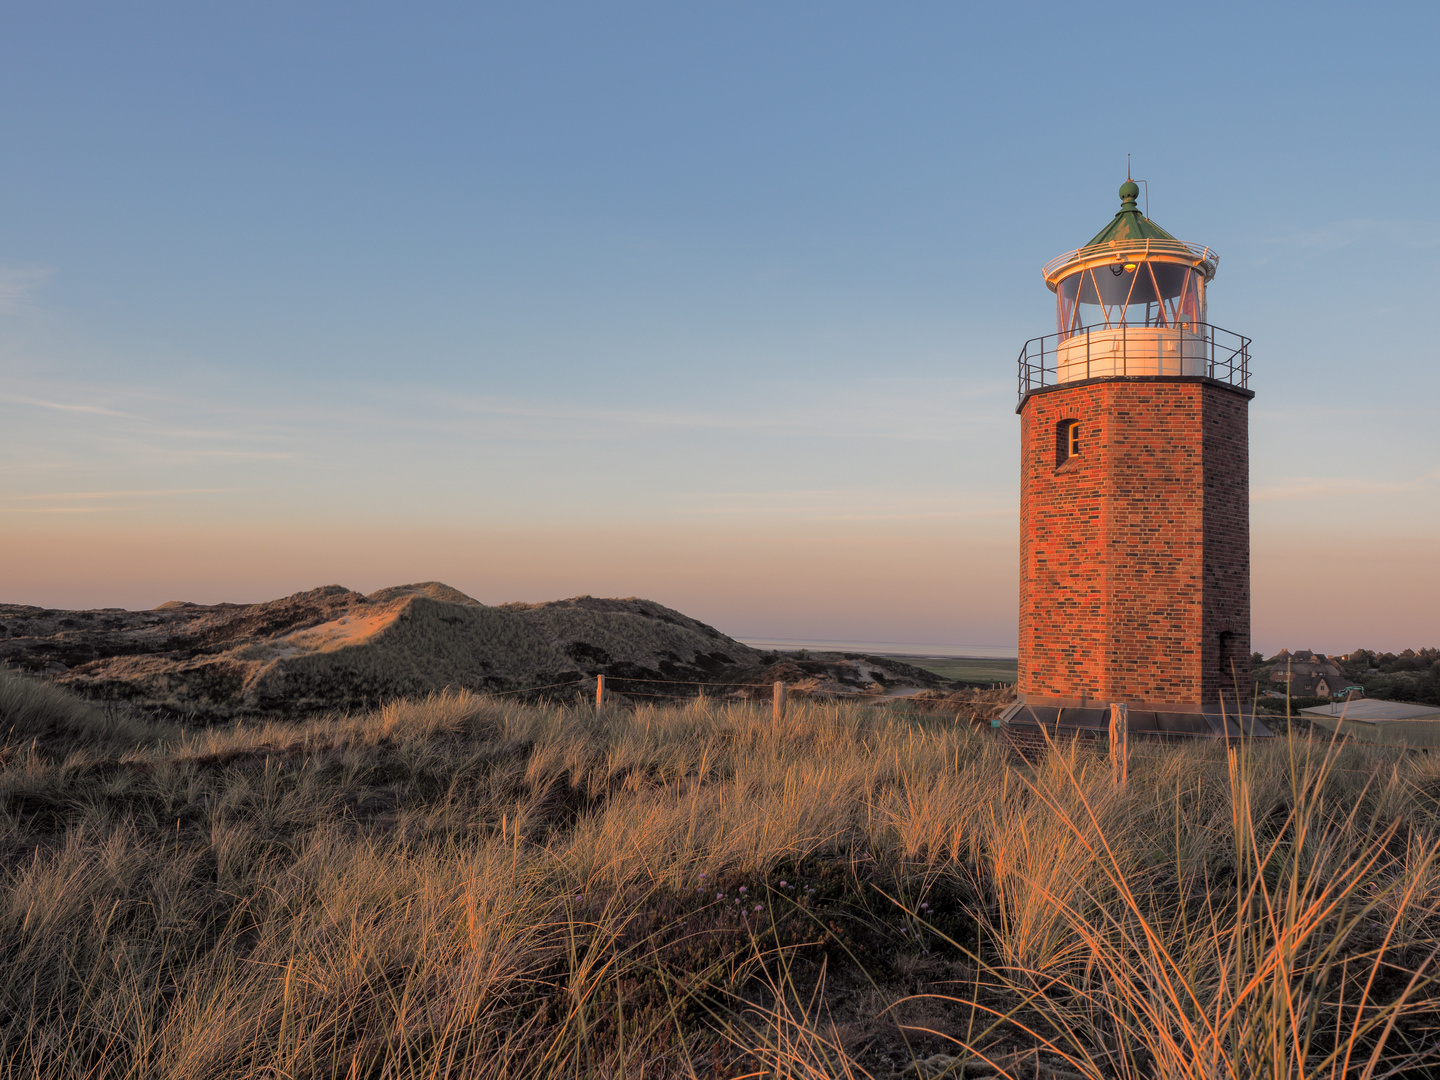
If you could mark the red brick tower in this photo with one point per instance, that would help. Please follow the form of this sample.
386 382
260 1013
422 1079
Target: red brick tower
1134 492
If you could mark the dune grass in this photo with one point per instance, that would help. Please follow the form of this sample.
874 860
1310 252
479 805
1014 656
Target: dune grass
37 714
472 886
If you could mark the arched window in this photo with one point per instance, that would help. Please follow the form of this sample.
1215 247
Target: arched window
1067 441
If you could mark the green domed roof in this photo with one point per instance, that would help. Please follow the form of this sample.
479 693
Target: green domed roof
1128 223
1129 233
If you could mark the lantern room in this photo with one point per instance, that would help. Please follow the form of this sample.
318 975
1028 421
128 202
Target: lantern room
1132 302
1133 273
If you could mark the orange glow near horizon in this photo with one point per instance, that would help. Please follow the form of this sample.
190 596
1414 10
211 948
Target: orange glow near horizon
1332 594
747 581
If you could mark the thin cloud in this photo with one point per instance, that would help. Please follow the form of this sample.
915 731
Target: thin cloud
1300 488
854 505
1309 415
237 436
64 406
137 493
240 455
54 509
28 467
857 411
1343 234
17 283
630 418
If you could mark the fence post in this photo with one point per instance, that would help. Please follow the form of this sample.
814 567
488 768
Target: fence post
1120 741
599 692
779 699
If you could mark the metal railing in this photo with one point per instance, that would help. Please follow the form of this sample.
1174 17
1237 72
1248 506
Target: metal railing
1201 257
1113 351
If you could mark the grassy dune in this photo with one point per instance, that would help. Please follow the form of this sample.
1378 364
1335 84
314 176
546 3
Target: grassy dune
472 886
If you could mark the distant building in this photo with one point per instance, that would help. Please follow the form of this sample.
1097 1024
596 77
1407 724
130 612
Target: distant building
1310 674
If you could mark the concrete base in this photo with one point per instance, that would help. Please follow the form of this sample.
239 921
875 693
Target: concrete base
1059 716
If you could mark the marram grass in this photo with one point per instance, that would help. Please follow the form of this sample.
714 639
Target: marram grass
463 886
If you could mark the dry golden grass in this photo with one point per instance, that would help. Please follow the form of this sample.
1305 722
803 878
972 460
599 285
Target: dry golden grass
1285 956
475 887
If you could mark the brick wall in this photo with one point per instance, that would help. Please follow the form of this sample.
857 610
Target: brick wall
1135 554
1226 628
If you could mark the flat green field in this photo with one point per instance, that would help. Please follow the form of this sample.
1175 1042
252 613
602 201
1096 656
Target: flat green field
966 668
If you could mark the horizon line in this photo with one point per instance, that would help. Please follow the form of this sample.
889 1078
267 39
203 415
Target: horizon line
929 650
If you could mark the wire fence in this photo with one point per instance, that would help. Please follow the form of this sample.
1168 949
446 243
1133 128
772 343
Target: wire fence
610 680
1144 745
639 687
535 689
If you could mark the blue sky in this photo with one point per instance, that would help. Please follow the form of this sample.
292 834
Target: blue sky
716 304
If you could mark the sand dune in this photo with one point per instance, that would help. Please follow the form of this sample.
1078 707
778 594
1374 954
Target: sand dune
332 647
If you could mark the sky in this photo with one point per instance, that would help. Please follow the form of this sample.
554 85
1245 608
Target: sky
715 304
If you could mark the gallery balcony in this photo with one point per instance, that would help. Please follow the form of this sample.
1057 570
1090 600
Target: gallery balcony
1104 352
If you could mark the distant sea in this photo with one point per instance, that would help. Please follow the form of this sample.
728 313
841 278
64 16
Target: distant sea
888 648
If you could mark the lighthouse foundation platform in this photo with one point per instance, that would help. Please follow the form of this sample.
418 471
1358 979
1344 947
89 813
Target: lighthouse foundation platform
1091 719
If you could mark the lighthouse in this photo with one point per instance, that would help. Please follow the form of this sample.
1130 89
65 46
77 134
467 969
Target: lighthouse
1134 494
